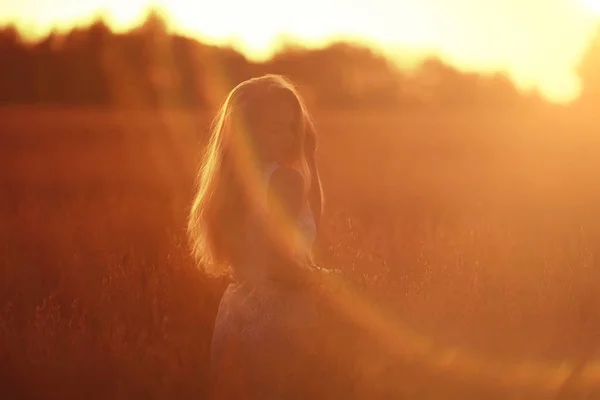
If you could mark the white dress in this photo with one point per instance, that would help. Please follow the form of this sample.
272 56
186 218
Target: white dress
263 343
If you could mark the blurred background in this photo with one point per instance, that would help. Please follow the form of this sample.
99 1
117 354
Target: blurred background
460 156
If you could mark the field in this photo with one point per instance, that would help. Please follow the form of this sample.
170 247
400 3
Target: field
471 238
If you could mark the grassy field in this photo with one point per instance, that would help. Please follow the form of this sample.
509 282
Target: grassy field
464 234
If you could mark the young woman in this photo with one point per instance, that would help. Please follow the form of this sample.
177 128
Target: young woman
255 218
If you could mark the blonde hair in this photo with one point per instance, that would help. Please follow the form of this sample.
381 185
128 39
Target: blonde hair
230 175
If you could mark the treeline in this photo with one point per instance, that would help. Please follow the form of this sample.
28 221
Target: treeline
148 66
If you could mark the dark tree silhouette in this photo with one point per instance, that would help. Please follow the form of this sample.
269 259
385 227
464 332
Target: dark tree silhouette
151 67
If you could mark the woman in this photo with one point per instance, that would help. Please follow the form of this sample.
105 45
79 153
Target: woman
255 218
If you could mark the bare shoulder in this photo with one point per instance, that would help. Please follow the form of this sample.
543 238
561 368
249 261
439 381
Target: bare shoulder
286 187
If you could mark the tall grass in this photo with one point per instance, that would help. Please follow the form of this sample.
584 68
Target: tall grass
478 233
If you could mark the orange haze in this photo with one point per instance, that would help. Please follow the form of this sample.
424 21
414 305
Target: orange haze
537 42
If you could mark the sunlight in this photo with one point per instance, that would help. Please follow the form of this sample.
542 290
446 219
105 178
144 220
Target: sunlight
471 35
124 14
417 25
593 5
401 341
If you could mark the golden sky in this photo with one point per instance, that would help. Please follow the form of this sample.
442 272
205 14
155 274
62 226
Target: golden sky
538 42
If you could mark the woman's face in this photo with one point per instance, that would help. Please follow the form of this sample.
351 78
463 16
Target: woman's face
277 132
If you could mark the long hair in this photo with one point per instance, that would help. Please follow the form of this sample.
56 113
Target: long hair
230 177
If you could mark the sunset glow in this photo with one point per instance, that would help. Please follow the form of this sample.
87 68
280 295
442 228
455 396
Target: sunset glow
537 42
594 5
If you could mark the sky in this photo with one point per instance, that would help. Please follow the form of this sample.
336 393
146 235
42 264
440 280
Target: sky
538 43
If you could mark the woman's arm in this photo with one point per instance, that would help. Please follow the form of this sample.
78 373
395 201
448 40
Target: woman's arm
285 194
285 200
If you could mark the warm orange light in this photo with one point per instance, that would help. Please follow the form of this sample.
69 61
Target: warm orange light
538 43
